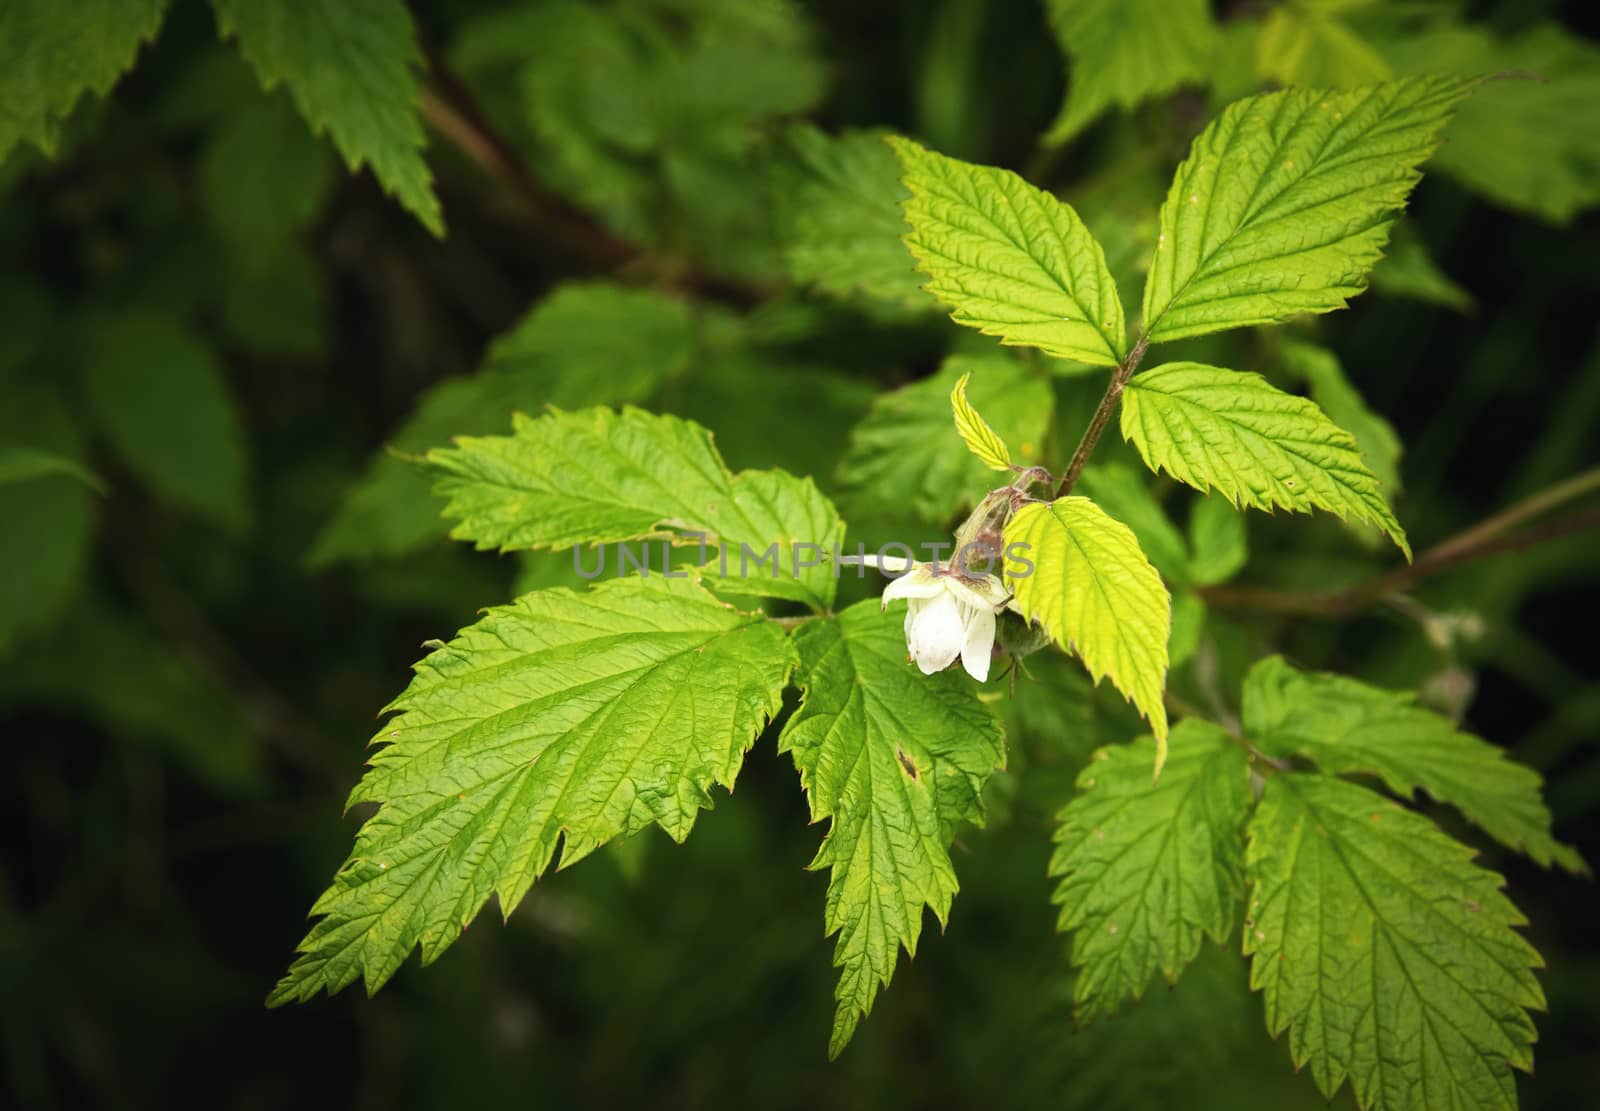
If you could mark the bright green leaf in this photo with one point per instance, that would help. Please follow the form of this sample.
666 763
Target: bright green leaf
905 455
837 202
1147 870
1385 952
1095 593
1257 445
350 69
1127 51
162 399
567 718
596 476
52 52
1010 259
1347 727
1284 203
980 439
896 761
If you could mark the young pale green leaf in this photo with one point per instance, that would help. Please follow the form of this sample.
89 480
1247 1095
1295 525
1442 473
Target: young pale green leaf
1092 589
1284 203
1528 144
567 717
896 761
975 432
904 455
1010 259
1335 395
349 68
145 376
1347 727
596 476
1385 952
837 201
51 53
1127 51
1147 869
586 343
1259 446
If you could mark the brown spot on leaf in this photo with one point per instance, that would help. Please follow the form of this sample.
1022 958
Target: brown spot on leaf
907 763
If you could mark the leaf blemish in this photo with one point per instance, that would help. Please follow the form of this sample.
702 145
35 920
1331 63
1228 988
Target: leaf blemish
908 764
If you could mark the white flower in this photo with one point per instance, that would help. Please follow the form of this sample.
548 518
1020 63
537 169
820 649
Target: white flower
949 613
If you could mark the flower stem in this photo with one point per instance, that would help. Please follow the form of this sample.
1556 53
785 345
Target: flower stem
1102 415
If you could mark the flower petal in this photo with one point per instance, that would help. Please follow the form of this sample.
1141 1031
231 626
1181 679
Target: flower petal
919 582
889 565
936 633
985 592
978 647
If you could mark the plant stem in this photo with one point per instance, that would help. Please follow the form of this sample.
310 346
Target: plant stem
1486 538
1102 415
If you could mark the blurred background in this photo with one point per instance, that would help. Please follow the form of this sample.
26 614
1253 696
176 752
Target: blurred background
228 331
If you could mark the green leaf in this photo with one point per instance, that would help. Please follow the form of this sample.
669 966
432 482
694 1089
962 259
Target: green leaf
21 463
1304 42
1347 727
1284 203
51 53
1530 145
1379 443
586 343
162 399
905 455
1257 445
1218 543
1408 270
1385 952
975 432
1010 259
837 203
263 178
567 717
596 476
350 69
896 761
44 551
1095 593
1127 51
1125 494
1148 869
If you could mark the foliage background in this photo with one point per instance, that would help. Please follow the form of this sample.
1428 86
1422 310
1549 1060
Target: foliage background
202 306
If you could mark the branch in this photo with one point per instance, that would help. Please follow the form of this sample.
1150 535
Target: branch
1102 416
1486 538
